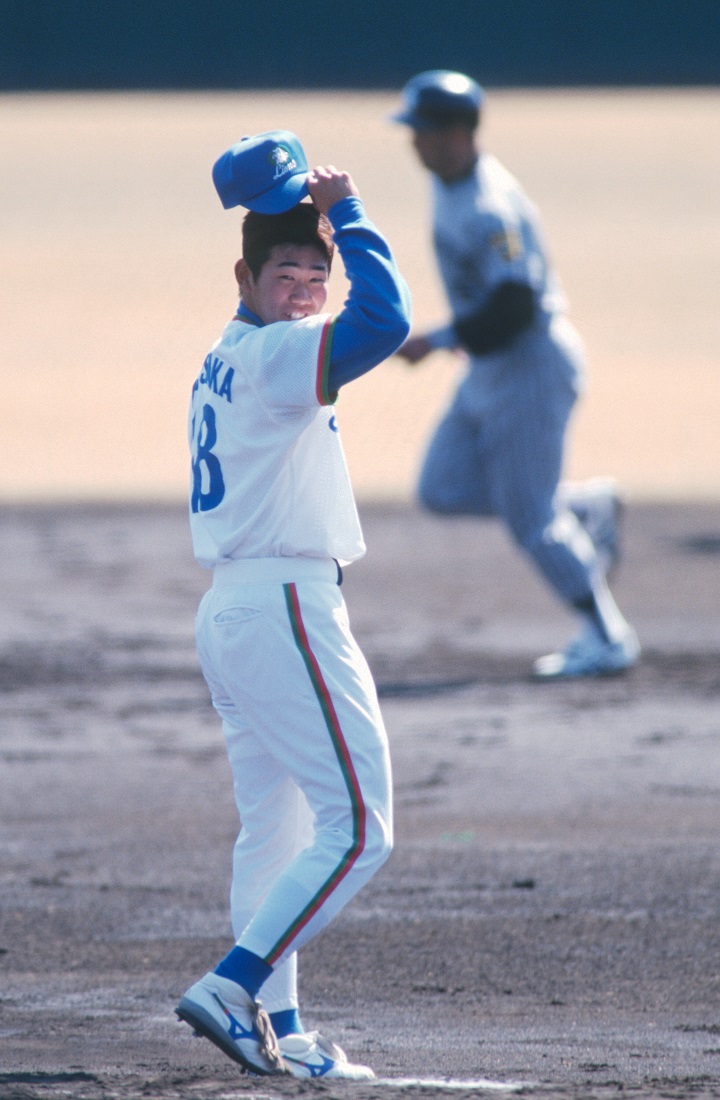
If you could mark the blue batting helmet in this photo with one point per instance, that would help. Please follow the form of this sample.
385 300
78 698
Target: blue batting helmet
439 98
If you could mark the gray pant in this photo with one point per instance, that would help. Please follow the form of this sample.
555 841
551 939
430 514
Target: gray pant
498 451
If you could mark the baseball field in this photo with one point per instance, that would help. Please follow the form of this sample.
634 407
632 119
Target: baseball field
548 922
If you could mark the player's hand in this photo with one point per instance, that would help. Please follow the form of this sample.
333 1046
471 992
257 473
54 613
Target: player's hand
414 349
327 185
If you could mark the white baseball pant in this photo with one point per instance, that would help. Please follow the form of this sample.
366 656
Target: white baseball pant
308 751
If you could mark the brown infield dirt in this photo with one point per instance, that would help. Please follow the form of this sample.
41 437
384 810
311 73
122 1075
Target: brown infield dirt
548 921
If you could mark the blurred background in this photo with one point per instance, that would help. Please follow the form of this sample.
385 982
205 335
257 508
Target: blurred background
116 256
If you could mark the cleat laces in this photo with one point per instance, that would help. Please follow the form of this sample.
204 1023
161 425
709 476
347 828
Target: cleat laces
268 1043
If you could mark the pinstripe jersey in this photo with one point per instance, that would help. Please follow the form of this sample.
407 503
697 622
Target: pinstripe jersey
486 231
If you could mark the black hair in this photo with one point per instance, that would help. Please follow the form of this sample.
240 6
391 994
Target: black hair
301 225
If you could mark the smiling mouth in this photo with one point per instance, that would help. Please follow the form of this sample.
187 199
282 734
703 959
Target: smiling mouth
297 315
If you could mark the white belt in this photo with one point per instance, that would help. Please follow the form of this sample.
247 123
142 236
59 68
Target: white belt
275 571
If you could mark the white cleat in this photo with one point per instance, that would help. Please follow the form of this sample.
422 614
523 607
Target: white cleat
224 1013
589 655
312 1055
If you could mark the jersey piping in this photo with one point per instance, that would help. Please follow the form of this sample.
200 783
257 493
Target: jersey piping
324 395
346 766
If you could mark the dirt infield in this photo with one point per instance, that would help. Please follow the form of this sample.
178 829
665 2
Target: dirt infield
548 921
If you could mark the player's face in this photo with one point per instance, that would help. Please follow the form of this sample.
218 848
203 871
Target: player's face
291 285
448 153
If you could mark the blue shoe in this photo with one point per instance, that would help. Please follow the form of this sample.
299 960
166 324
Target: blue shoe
225 1014
312 1055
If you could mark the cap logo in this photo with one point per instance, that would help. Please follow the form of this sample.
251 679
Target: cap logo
283 160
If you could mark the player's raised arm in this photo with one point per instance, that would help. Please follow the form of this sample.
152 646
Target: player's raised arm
268 174
375 319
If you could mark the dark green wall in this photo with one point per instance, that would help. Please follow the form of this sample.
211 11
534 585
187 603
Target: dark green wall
108 44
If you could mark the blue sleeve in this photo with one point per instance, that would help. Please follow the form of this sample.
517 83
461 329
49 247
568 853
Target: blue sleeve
375 318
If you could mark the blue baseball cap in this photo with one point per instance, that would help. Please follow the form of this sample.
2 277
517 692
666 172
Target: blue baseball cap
266 173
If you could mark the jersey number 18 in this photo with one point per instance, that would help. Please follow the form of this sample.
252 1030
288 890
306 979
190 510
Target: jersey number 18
208 483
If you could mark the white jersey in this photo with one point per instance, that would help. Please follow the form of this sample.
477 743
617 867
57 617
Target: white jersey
269 473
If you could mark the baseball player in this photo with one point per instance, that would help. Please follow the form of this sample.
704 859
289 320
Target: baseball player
498 449
272 514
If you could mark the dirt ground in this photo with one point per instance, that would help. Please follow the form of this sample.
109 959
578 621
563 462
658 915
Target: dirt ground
548 922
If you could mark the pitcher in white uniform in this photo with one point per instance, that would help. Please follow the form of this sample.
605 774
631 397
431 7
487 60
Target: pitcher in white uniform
272 514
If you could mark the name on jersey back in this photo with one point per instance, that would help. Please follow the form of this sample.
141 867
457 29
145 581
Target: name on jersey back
217 376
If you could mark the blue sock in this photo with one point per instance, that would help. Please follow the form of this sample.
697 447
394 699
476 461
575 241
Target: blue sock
287 1022
245 968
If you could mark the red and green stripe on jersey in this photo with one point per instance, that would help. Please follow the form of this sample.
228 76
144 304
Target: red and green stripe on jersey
322 387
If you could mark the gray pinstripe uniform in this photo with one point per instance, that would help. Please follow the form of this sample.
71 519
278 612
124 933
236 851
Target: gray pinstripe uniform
498 450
